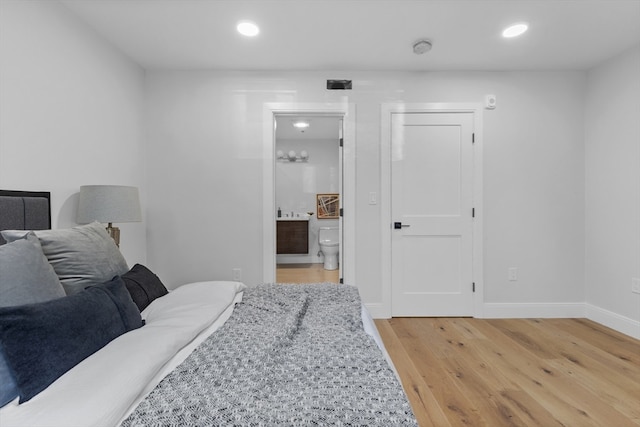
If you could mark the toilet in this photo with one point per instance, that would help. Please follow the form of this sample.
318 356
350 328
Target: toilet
329 240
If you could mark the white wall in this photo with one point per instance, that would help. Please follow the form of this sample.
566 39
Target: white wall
70 112
613 191
205 189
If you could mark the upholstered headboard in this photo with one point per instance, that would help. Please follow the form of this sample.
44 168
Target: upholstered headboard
24 210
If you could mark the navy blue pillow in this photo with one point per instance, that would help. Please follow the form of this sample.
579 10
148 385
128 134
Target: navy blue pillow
40 342
127 308
8 387
143 285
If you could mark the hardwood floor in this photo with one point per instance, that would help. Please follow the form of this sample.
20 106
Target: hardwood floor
515 372
305 273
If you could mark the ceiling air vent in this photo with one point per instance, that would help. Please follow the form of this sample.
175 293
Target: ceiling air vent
339 84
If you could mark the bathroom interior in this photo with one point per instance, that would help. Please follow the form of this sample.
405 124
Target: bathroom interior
307 175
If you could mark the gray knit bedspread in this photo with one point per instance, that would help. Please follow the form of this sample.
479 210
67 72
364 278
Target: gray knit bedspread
292 355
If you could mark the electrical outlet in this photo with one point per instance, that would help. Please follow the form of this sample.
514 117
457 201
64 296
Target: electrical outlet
635 285
237 274
513 274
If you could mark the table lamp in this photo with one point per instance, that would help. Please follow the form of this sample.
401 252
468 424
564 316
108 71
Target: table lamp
109 203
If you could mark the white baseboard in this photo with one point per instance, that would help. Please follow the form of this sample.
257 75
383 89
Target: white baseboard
378 311
613 320
607 318
508 310
533 310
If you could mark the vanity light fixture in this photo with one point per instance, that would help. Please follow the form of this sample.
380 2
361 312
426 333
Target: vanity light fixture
292 156
248 28
515 30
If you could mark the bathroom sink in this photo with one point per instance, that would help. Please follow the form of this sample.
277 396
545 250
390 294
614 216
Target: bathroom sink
297 216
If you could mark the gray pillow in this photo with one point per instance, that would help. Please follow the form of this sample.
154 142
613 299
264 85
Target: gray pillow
26 277
81 256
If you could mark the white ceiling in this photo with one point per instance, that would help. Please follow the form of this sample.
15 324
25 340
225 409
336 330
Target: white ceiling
365 34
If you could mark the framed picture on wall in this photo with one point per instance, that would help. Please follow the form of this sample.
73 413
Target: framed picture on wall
328 205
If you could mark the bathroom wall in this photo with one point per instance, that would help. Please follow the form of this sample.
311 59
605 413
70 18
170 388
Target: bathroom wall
297 184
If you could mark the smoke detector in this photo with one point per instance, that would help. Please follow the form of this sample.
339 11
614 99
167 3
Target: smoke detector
422 46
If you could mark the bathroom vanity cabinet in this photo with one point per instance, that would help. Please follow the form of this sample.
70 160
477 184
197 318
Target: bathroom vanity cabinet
292 237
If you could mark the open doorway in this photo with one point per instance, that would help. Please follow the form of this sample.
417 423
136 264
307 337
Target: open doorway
346 111
308 166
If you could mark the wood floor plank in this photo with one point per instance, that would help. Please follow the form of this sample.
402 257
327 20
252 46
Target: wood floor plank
596 370
424 404
457 408
529 409
591 377
606 339
515 407
571 402
622 371
467 371
521 331
513 372
305 273
504 355
591 360
466 328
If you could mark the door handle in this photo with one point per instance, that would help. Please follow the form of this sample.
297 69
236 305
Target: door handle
399 225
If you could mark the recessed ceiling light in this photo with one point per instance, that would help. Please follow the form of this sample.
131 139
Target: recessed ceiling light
248 28
300 124
515 30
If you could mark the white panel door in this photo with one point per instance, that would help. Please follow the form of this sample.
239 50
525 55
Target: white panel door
432 229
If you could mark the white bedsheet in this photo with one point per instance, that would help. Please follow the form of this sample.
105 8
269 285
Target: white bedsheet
102 388
106 387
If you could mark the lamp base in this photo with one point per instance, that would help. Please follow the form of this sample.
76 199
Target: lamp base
114 232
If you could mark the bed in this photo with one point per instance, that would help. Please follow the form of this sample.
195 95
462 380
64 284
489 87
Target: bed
87 341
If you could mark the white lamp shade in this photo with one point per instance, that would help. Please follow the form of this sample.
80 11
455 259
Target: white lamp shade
108 203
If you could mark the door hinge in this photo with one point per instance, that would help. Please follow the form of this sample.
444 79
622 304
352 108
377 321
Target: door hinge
341 142
341 280
473 138
473 287
473 212
340 211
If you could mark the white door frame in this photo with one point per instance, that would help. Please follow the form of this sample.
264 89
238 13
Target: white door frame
270 111
387 110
